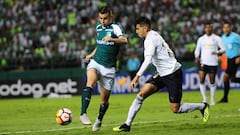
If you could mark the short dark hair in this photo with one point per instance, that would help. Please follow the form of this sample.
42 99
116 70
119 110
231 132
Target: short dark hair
208 23
105 9
227 22
143 21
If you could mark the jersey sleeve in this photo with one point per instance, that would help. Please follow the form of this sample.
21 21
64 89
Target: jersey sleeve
220 45
149 49
145 64
118 31
197 49
238 39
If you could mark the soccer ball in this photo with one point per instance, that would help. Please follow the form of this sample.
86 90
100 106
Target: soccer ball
64 116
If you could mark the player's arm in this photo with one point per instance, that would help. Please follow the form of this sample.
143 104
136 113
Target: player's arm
197 60
197 52
89 56
221 49
237 60
133 82
144 66
119 40
148 54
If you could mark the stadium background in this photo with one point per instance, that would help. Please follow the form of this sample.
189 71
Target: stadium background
43 42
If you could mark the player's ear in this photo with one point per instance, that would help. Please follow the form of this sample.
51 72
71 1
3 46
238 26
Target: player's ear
146 28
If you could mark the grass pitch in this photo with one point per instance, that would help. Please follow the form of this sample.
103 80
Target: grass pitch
37 116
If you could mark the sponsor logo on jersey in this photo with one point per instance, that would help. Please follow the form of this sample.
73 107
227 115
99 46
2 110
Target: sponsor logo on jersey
101 42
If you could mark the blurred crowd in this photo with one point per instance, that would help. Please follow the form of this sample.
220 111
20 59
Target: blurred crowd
59 33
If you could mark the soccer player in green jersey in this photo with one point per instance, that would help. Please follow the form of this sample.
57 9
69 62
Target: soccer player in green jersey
101 68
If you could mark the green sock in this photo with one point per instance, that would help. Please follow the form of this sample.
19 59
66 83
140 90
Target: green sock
102 110
86 98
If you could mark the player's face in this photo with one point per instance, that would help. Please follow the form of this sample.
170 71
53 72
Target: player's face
208 29
226 29
105 19
141 30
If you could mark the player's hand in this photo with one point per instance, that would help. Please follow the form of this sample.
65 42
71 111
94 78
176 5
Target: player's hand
197 61
133 83
88 58
214 53
107 38
237 60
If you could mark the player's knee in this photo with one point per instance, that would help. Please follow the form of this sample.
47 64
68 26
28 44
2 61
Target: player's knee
226 77
141 94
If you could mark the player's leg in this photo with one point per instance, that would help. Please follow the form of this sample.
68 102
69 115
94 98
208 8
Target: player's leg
189 107
226 82
202 75
212 88
106 82
235 67
147 90
174 84
92 78
229 73
104 98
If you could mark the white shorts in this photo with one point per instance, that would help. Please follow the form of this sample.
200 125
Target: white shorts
106 75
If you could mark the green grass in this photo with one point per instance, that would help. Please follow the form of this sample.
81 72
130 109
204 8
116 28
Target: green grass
37 116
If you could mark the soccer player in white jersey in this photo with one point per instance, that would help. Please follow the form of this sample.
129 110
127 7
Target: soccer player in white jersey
209 47
169 74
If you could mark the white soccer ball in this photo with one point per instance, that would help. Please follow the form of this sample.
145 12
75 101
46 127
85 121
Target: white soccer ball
64 116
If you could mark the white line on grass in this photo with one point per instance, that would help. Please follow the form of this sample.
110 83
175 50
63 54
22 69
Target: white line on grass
106 125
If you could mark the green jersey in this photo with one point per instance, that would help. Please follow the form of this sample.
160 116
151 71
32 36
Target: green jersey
106 53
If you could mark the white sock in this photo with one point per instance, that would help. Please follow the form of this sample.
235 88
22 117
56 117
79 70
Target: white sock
212 92
189 107
203 92
134 108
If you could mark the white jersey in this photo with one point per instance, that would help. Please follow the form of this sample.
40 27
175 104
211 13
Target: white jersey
206 45
157 52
